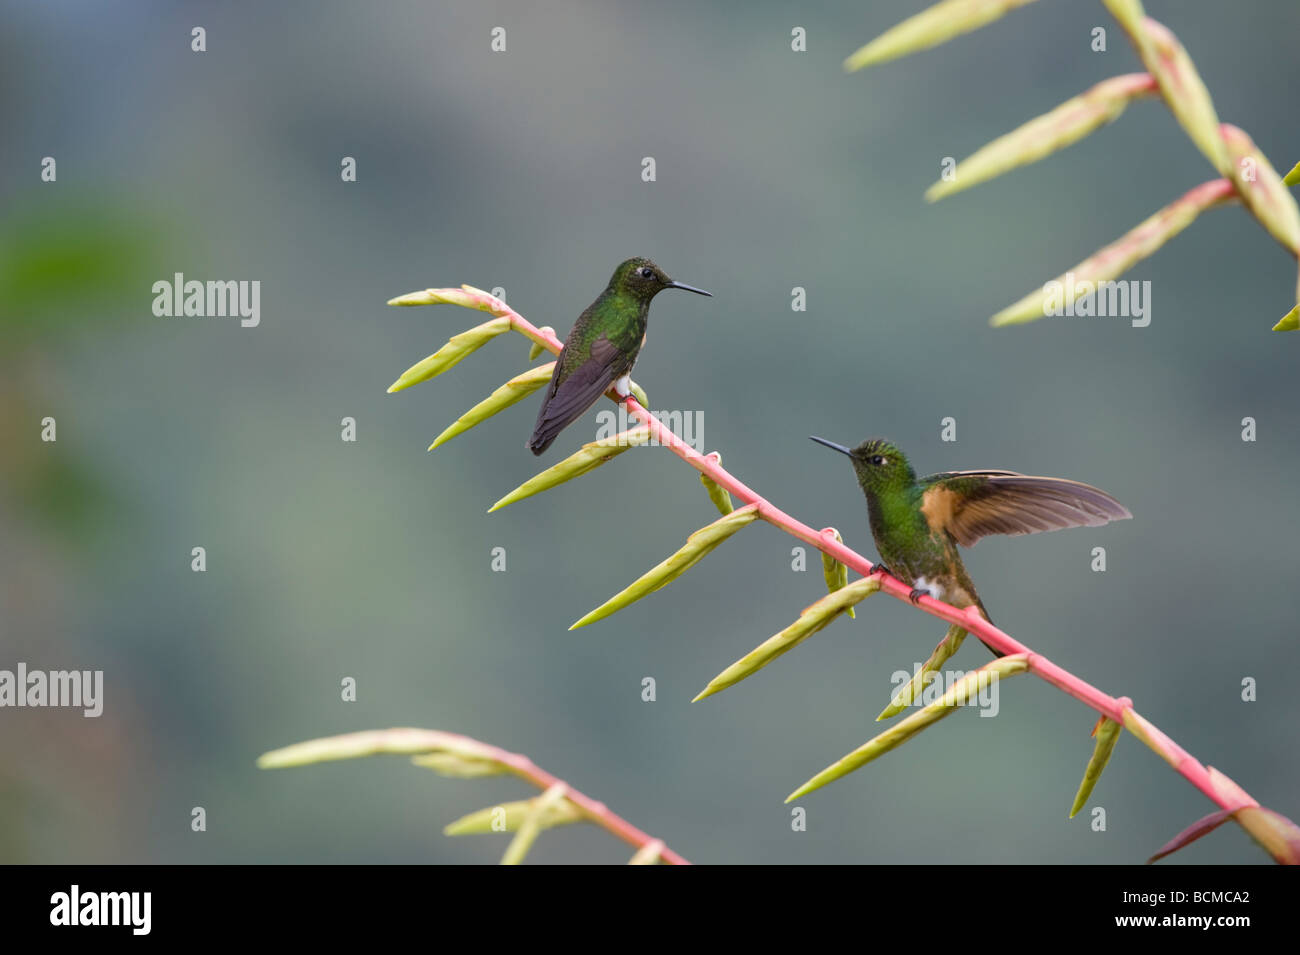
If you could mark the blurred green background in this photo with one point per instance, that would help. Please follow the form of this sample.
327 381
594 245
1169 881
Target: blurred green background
522 170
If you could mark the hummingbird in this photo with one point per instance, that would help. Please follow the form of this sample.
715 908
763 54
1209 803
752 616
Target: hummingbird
602 347
917 523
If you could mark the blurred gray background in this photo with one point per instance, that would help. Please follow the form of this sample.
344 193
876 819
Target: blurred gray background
522 170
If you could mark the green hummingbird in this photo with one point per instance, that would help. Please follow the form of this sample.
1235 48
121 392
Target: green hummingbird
602 347
917 523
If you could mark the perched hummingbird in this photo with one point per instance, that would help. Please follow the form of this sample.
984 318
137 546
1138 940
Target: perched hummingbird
601 348
917 523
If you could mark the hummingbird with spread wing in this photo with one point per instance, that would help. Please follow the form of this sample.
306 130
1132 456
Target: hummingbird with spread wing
601 348
917 523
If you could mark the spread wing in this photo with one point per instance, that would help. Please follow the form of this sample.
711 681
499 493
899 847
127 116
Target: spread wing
572 391
974 504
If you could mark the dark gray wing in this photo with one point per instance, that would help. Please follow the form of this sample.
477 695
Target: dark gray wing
570 394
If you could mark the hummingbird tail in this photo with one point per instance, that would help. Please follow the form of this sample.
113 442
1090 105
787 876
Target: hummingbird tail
985 614
539 442
567 400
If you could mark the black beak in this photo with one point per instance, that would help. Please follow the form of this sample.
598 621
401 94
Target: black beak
831 444
690 288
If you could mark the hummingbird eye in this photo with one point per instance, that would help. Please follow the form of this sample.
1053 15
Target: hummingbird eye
878 461
647 273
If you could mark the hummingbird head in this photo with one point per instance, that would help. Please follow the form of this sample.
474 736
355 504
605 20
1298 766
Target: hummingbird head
879 465
643 280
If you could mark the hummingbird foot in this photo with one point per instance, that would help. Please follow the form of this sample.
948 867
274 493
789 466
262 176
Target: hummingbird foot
879 568
917 593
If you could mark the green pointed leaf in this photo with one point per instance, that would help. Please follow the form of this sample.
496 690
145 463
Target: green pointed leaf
458 766
1107 733
648 854
698 545
1115 259
959 694
1180 84
512 392
1262 189
438 296
836 574
1275 833
403 741
638 393
1293 177
1151 737
486 301
718 495
450 354
929 28
814 618
949 645
530 827
536 349
586 458
1046 134
490 820
1290 321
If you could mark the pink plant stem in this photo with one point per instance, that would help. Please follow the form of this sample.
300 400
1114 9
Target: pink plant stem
1182 761
597 812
